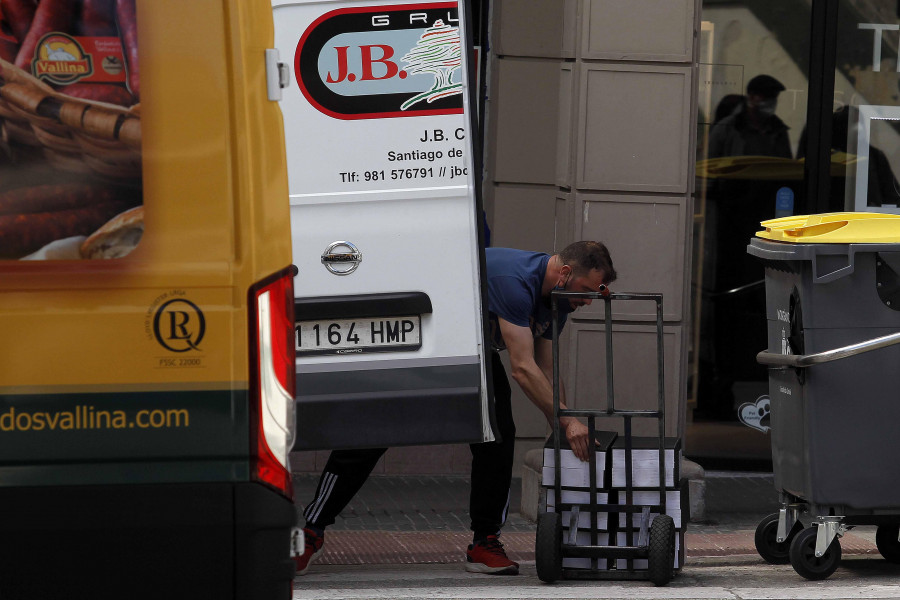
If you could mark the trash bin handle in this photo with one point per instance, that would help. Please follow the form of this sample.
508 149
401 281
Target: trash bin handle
801 361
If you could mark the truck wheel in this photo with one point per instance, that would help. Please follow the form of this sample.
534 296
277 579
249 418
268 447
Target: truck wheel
769 548
803 555
661 556
548 547
886 541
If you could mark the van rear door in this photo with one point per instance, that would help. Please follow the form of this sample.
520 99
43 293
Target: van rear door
385 222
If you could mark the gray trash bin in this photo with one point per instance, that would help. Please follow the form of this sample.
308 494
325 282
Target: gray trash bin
833 318
835 426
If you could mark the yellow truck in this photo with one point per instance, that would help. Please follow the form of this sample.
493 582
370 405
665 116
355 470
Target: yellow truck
146 302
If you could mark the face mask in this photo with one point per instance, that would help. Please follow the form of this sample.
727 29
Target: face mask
767 107
565 306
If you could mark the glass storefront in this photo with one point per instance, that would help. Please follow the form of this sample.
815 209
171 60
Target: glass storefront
865 119
798 113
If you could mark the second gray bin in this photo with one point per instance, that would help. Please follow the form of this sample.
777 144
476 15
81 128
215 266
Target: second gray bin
836 426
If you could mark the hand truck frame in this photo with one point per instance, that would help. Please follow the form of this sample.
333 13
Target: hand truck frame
654 541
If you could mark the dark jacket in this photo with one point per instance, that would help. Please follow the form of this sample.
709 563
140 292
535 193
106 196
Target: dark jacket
734 136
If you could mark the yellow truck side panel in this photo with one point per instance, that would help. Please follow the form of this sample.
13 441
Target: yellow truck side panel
212 165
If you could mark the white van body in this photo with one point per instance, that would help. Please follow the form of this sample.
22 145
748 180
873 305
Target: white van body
386 227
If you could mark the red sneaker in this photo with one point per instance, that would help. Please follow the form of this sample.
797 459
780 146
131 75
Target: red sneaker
312 548
488 556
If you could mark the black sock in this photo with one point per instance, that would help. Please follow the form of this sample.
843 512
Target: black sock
482 537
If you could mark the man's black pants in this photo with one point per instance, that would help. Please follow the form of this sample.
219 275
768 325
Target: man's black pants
492 463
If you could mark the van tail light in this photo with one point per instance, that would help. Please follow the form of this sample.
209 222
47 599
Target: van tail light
272 425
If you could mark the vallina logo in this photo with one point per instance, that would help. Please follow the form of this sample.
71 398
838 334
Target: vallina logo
377 62
60 59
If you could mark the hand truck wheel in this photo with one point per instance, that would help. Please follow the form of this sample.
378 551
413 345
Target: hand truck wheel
803 555
887 542
548 547
767 545
661 556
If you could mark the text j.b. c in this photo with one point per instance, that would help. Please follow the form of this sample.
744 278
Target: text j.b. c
370 55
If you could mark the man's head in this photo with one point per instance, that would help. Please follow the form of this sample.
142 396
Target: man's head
762 94
583 267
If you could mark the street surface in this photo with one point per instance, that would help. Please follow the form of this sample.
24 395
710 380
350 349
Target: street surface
403 537
726 578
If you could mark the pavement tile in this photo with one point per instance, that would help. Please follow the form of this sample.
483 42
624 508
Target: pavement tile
447 547
424 519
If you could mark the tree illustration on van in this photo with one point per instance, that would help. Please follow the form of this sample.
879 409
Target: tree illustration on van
437 52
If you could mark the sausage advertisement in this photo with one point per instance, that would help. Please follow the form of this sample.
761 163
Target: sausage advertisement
71 174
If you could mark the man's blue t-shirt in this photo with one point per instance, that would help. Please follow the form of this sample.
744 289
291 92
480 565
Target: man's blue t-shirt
514 281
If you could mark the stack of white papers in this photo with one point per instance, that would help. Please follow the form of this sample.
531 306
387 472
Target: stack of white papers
568 460
645 462
648 497
573 471
575 480
583 516
583 539
572 477
571 496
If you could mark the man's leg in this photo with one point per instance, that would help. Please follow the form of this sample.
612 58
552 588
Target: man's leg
492 464
343 476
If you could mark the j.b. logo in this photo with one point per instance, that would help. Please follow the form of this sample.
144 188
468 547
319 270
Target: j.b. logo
179 325
386 61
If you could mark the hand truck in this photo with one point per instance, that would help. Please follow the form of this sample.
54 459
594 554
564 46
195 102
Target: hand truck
654 541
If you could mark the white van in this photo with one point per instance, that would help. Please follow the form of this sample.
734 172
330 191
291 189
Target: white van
386 225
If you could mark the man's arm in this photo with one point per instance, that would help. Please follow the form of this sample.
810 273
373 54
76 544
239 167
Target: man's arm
532 369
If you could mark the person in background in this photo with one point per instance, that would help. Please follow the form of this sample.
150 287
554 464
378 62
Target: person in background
753 129
882 187
519 288
733 316
727 106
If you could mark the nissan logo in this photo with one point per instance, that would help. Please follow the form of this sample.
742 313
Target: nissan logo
341 258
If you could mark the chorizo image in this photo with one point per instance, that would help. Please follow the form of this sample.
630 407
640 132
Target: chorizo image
100 92
21 235
97 19
8 50
18 14
126 17
51 15
63 196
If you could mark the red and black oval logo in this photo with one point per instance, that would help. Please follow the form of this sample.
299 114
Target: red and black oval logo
385 61
60 58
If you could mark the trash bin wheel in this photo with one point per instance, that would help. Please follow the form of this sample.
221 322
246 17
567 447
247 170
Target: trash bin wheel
661 554
803 555
548 547
767 545
887 543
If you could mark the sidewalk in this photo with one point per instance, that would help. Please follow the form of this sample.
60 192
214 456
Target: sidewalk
424 520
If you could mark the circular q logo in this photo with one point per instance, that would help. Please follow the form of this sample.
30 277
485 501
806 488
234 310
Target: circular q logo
179 326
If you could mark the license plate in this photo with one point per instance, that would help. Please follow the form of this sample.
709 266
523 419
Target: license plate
352 336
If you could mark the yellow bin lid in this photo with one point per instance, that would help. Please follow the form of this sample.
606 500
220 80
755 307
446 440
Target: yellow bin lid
834 228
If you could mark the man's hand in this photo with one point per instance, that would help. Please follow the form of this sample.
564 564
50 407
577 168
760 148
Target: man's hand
577 434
